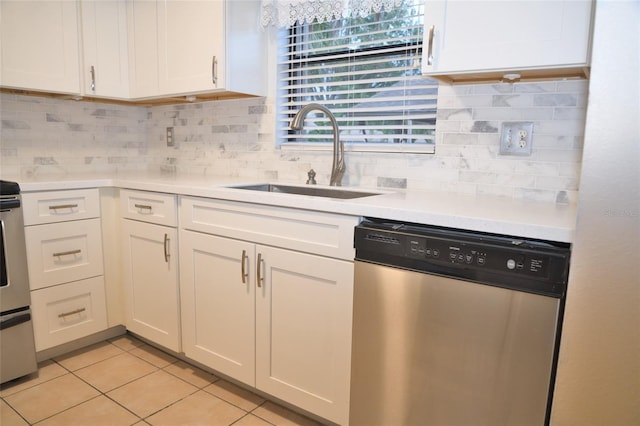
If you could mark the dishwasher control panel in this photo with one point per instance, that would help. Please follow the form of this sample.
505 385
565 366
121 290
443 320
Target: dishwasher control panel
505 261
480 256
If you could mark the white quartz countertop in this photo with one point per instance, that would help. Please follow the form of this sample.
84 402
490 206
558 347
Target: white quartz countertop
506 216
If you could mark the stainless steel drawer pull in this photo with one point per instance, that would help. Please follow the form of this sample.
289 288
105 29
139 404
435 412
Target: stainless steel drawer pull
63 206
244 272
166 248
143 207
214 71
67 253
93 78
259 272
432 30
74 312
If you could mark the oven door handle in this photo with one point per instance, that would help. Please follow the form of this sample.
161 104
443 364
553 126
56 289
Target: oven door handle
9 204
15 320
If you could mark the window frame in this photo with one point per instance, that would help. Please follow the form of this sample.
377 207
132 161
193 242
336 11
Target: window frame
283 134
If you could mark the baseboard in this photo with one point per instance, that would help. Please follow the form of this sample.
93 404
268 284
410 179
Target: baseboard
101 336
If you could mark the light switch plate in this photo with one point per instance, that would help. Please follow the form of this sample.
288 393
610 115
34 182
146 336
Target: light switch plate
516 138
170 141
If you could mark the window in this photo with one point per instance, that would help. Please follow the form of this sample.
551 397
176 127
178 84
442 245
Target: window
367 72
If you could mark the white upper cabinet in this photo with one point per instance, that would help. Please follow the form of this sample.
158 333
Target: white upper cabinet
39 46
142 24
195 47
105 70
134 49
245 56
467 41
190 45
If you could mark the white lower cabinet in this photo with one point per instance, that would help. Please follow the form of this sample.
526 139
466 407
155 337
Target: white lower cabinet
150 266
218 303
274 318
64 254
303 330
151 282
68 312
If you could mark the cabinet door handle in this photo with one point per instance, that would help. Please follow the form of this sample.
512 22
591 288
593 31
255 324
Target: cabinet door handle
67 253
75 311
244 260
214 71
166 248
259 269
93 78
63 206
432 30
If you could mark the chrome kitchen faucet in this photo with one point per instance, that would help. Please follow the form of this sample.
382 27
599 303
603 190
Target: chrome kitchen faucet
338 167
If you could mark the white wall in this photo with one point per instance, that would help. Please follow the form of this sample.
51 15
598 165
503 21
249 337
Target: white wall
598 380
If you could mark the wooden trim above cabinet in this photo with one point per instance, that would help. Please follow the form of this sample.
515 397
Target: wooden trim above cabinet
175 100
577 73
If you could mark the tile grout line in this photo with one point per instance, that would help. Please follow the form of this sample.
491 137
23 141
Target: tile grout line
141 418
100 393
72 372
15 411
176 360
39 384
104 393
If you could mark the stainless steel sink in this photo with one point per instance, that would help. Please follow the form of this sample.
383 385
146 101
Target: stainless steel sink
308 190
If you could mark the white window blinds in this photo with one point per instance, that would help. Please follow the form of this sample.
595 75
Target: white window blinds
366 70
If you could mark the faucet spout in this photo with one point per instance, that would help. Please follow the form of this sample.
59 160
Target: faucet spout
338 166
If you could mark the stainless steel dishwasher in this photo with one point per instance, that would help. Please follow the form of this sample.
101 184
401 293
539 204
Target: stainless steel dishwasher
453 327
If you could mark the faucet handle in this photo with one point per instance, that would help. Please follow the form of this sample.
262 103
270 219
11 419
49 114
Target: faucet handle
312 177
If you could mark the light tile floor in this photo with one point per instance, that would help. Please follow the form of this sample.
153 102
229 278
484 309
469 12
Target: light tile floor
124 381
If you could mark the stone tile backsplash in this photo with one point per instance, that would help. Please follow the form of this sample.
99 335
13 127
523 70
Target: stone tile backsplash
41 135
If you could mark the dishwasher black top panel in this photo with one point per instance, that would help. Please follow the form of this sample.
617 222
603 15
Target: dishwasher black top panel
533 266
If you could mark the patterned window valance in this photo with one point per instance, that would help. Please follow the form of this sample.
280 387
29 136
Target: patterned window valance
285 13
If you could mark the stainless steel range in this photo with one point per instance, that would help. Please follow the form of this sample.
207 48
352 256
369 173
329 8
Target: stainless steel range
17 347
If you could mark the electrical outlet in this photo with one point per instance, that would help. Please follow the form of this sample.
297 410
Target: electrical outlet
516 138
170 136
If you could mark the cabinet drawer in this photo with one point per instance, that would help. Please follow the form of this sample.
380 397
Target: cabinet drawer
63 252
60 206
325 234
67 312
152 207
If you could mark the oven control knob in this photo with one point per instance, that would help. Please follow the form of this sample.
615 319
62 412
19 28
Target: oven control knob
511 264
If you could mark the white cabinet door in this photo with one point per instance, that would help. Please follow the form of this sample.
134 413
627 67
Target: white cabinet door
196 47
303 330
39 46
190 45
104 40
218 303
142 25
481 36
246 59
149 258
